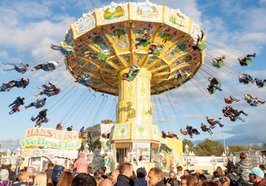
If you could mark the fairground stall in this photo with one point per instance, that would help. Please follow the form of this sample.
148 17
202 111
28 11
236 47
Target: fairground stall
41 145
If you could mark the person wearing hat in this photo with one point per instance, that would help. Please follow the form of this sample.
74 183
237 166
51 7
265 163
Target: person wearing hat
141 174
258 178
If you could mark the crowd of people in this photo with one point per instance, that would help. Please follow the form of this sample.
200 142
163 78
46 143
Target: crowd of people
81 174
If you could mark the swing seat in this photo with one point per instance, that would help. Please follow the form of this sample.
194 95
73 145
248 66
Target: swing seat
248 61
219 85
102 56
144 43
202 46
130 78
182 46
220 64
156 53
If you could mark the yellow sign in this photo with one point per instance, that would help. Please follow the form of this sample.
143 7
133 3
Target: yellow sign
50 138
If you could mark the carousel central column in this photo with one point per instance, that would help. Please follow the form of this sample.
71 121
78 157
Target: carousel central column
134 105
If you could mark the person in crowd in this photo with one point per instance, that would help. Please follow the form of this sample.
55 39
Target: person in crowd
141 174
125 173
66 51
252 101
245 61
70 128
12 174
40 118
258 174
260 83
23 178
263 168
211 183
204 128
113 176
21 68
156 177
81 164
234 175
241 166
82 132
245 79
214 85
57 171
103 171
189 180
16 104
106 182
98 177
202 178
39 103
179 172
22 83
4 181
224 181
83 180
48 172
49 90
90 171
48 67
213 122
59 126
31 173
40 179
220 171
230 99
230 165
65 179
172 180
218 62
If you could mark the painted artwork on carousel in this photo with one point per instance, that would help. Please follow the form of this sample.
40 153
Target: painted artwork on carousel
122 131
176 19
146 11
84 24
112 14
141 131
155 132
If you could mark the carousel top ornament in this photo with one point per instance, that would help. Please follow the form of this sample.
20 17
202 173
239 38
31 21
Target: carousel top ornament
130 36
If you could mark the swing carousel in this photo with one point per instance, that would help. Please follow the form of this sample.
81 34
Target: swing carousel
134 50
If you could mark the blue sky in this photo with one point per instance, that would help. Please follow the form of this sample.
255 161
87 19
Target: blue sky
233 27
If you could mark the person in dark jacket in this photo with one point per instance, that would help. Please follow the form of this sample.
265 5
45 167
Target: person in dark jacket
156 177
141 174
57 171
83 179
125 172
